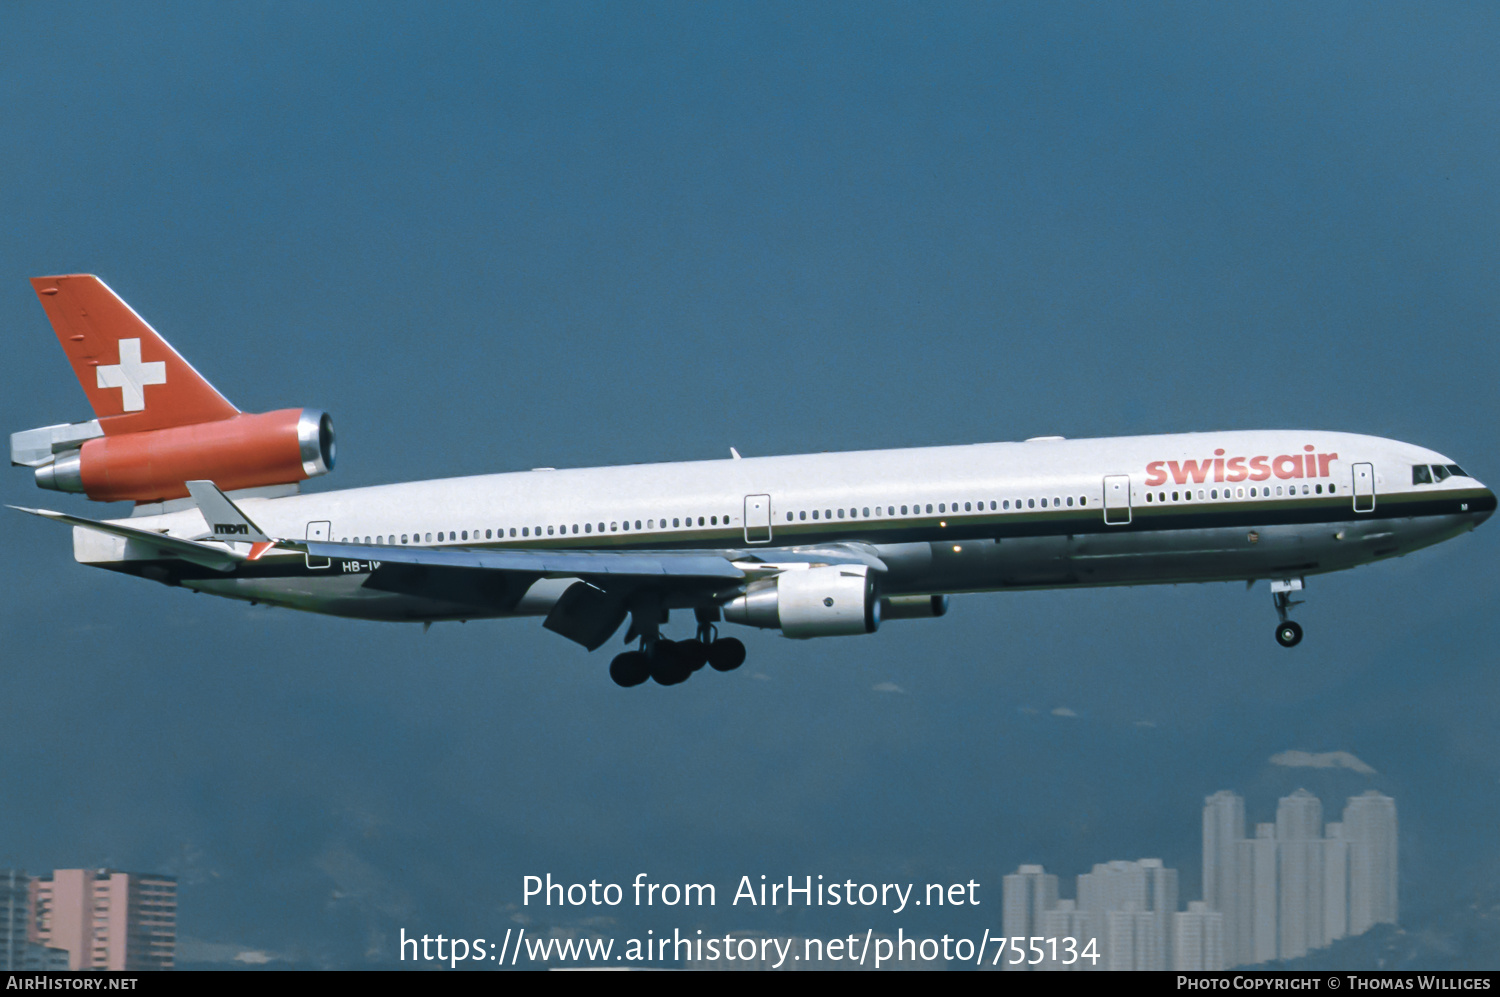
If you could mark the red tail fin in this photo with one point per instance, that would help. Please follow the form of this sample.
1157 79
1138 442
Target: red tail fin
134 380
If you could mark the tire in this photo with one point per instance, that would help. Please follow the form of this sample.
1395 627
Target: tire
669 663
695 653
1289 634
726 654
630 668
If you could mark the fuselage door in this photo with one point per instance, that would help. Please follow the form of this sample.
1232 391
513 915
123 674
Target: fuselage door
1117 499
318 531
1364 487
757 519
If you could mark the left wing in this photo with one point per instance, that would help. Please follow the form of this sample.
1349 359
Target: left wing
593 564
610 585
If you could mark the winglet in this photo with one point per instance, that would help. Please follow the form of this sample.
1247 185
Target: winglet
225 519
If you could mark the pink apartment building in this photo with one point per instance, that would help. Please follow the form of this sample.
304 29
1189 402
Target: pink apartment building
106 920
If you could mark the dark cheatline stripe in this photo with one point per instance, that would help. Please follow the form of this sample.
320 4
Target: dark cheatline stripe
991 526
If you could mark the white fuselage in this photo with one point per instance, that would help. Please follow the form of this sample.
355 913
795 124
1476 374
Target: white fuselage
1047 513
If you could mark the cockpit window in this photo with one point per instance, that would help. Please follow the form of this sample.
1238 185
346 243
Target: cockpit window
1456 471
1420 475
1439 472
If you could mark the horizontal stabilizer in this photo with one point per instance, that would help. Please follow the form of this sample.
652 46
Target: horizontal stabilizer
188 550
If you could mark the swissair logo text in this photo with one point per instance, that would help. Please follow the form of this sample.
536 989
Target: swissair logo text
1220 468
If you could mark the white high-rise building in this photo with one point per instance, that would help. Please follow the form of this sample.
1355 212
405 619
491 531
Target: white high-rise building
1298 885
1257 901
1198 938
1223 830
1370 829
1335 884
1299 840
1147 891
1026 896
1067 921
1132 939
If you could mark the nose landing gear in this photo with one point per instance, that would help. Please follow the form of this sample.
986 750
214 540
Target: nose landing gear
1288 632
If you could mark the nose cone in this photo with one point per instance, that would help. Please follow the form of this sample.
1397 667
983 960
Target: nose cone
1483 507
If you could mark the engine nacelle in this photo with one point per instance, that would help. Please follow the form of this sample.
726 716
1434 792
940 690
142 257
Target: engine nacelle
830 601
244 451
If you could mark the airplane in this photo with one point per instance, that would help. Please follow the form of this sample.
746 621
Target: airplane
814 545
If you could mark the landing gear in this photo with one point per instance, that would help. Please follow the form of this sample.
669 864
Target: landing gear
1288 632
671 662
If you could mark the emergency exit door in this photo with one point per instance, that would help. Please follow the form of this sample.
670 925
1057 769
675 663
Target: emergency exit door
318 531
757 519
1117 499
1364 487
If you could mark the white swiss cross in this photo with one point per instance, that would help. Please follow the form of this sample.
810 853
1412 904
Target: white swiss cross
131 376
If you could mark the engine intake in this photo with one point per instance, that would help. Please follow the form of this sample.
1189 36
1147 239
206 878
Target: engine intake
245 451
828 601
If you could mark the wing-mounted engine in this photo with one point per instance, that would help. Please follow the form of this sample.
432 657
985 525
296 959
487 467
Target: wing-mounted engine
159 423
824 601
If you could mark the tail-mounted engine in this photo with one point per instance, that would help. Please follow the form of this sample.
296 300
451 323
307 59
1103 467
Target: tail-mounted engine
243 451
158 423
830 601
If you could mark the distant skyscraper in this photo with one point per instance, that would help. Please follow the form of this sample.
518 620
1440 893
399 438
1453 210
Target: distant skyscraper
1026 896
107 920
15 908
1299 840
1370 828
1223 830
1335 885
1067 921
1257 901
1161 903
1132 939
1198 938
1145 890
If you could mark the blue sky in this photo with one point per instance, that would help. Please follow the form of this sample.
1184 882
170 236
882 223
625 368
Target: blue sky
491 237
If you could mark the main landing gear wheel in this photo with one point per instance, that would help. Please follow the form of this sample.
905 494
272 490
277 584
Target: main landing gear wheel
1289 634
726 654
671 663
630 668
